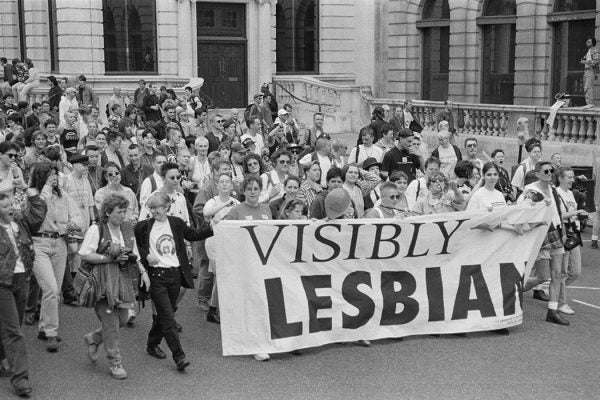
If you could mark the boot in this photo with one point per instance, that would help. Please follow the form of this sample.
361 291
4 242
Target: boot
594 244
554 317
212 315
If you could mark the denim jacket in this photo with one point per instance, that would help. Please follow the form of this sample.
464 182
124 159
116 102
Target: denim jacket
29 222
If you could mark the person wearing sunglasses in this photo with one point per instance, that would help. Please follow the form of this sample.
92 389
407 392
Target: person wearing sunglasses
550 257
111 183
217 136
11 175
171 177
390 203
272 181
471 147
441 197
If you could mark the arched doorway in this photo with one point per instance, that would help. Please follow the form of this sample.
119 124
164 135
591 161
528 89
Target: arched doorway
435 34
572 21
498 27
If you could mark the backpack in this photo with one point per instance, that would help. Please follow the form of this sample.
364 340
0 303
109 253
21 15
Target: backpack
85 282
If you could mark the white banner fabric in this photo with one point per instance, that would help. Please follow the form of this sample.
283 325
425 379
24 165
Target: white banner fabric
286 285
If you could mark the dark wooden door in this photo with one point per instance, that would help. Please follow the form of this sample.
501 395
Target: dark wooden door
223 67
222 60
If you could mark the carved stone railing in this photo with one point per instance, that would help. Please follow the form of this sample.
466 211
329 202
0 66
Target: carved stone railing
338 103
571 125
103 86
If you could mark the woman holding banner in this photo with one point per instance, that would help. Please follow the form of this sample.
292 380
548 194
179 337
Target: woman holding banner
549 259
251 209
438 198
487 196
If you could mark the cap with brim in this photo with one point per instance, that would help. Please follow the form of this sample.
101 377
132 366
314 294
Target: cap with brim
336 203
370 162
238 148
282 112
248 142
79 159
257 95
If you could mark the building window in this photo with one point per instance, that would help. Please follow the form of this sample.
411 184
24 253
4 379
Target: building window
297 36
129 36
499 28
435 31
572 22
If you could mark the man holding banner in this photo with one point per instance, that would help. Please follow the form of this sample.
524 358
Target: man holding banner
294 284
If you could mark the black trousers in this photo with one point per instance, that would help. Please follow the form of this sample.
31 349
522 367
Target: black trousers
12 309
165 284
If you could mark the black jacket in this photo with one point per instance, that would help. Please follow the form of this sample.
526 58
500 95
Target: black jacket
180 232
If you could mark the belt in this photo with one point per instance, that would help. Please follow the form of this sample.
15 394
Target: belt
52 235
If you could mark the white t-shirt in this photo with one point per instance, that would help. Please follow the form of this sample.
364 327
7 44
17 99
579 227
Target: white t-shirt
214 204
568 198
92 237
484 198
375 152
13 229
258 141
162 245
146 188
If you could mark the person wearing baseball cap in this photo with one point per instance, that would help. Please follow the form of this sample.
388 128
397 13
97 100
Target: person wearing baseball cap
249 144
236 157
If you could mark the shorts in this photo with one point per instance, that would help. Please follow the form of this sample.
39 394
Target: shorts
546 254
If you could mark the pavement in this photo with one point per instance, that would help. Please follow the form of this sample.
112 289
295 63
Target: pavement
537 360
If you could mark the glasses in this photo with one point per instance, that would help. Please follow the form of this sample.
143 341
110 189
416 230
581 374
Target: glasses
175 178
471 145
548 171
14 156
219 121
283 162
113 174
395 196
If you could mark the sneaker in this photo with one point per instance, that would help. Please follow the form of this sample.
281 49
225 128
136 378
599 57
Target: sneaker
92 348
131 315
262 357
52 344
118 372
42 336
566 309
182 364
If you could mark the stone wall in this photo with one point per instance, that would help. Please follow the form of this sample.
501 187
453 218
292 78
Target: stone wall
9 29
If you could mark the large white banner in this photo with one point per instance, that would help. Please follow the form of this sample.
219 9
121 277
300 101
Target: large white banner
285 285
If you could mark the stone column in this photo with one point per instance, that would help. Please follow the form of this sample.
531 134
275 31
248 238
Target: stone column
80 37
464 75
37 33
185 34
167 37
9 29
532 53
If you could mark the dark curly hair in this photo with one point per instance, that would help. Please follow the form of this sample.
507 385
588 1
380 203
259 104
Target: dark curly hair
109 204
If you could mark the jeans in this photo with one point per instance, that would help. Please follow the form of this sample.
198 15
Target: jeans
165 284
596 226
588 85
26 88
571 269
12 308
49 268
108 333
33 297
205 278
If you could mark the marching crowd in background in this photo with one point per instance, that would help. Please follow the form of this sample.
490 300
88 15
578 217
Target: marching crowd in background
105 208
